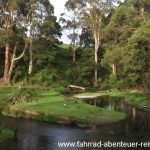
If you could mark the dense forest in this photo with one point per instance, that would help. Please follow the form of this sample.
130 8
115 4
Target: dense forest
96 89
109 48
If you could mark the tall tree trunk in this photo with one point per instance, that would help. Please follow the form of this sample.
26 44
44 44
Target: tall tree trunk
6 67
14 61
9 25
31 46
142 13
73 53
95 71
12 65
97 44
31 60
114 68
74 47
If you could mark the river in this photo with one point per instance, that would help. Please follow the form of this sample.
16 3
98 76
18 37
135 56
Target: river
34 135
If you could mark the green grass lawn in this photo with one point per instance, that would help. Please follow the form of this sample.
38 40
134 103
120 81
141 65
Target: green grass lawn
52 103
6 91
5 133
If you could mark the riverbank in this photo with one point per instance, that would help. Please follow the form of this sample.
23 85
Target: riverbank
5 134
133 98
55 108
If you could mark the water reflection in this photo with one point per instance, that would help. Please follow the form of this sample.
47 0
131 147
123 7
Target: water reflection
136 120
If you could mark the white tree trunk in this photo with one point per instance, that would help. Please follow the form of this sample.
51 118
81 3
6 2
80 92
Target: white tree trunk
30 62
114 68
6 67
13 62
95 71
11 70
97 44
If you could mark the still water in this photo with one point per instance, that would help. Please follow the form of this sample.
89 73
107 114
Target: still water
33 135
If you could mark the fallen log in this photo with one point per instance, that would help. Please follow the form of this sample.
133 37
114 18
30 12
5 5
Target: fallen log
75 87
85 97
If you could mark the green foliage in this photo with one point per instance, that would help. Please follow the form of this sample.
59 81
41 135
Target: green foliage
137 57
4 98
113 54
113 81
127 43
43 78
23 95
5 134
61 87
123 32
105 85
110 82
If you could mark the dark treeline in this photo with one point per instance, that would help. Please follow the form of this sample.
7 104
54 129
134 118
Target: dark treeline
110 43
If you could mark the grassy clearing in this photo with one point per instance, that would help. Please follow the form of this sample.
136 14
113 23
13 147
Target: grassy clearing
50 107
5 133
6 91
64 46
52 103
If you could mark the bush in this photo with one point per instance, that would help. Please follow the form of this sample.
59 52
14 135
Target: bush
105 85
61 87
43 78
122 84
113 81
24 95
109 83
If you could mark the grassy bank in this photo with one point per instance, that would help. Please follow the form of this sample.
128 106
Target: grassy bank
5 134
135 99
53 107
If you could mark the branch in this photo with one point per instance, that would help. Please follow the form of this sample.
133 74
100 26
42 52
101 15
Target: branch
125 30
28 15
19 57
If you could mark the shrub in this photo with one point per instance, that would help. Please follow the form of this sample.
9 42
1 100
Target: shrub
61 87
24 95
105 85
113 81
44 78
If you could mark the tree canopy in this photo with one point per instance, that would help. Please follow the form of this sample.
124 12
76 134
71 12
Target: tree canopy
110 43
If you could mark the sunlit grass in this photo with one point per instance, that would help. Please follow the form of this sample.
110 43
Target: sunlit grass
54 104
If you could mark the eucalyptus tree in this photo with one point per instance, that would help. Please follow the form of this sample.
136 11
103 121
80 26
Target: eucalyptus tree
6 23
119 29
40 14
137 54
9 31
127 22
142 7
22 21
70 22
92 17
